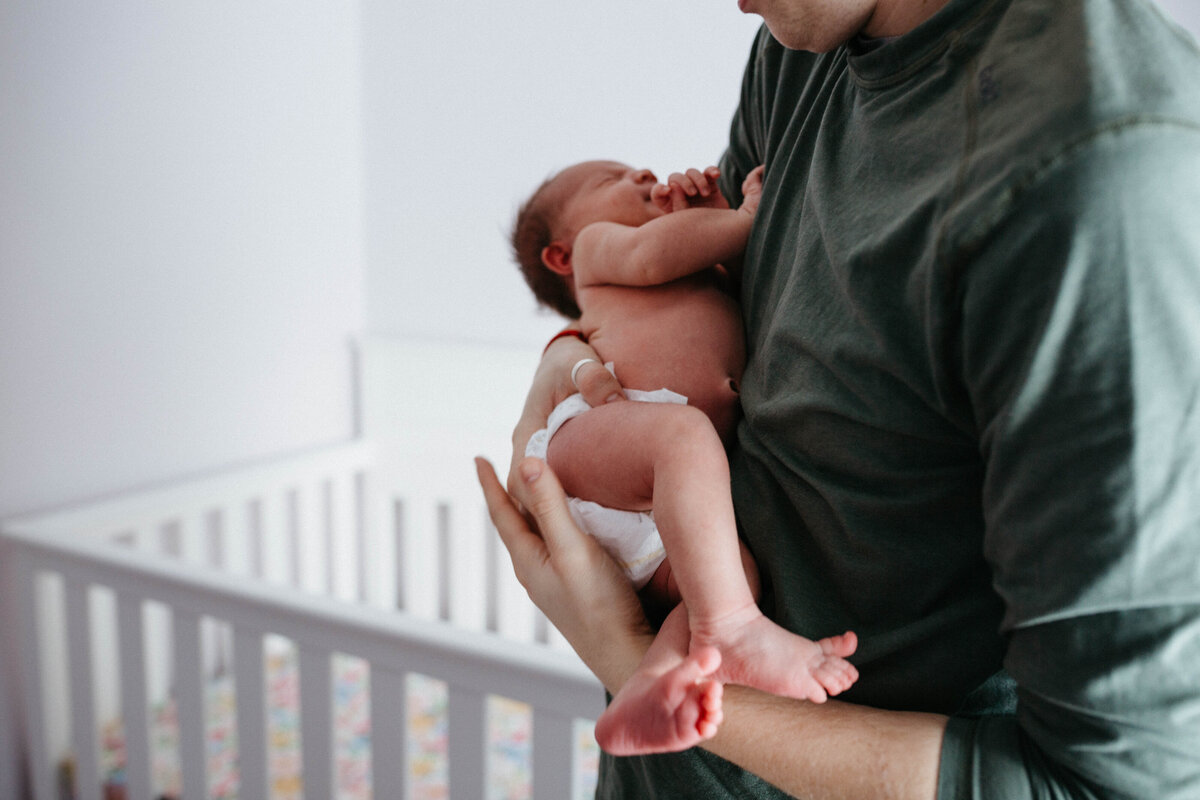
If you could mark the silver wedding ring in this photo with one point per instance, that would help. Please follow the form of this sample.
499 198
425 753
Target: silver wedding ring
578 364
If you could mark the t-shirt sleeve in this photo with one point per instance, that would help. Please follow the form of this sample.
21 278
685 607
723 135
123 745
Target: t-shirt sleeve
1079 316
745 131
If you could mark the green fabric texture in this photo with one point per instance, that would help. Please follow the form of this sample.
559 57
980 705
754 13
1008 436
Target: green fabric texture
972 401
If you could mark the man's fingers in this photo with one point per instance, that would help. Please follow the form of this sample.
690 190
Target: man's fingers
597 384
540 493
524 546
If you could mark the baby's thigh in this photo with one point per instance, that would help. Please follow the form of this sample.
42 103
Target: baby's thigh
608 454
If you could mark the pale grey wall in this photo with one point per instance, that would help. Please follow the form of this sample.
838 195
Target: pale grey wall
180 238
470 104
193 198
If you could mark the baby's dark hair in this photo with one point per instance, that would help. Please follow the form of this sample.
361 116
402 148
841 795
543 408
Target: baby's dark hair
533 231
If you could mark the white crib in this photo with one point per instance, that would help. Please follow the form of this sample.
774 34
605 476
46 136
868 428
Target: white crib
145 601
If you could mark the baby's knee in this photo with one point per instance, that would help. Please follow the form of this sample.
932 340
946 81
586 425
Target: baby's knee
688 424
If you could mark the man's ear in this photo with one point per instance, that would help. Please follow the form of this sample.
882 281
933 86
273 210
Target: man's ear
557 258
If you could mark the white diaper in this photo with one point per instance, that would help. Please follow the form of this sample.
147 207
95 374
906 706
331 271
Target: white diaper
630 537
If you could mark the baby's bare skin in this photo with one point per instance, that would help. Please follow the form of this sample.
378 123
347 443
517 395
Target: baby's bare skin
651 288
685 335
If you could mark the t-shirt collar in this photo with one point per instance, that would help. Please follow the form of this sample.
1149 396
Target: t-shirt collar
878 62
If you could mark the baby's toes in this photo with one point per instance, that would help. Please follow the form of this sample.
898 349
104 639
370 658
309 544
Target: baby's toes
837 675
842 645
711 713
818 692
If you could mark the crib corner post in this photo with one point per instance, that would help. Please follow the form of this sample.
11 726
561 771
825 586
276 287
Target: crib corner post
11 748
21 693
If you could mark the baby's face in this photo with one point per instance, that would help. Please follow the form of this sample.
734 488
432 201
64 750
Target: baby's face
606 191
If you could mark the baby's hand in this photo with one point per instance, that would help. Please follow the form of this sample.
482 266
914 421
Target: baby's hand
691 189
752 191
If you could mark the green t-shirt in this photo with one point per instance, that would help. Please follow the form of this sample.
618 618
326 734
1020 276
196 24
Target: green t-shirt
972 401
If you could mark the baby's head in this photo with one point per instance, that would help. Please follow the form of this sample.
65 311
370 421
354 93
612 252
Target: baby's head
544 232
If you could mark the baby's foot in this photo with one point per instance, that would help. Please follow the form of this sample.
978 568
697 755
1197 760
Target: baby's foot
664 713
756 652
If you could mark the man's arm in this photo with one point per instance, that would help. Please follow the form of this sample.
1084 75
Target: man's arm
552 384
1079 335
816 752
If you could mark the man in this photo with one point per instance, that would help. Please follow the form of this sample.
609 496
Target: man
972 408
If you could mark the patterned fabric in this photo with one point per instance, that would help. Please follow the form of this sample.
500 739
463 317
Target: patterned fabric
509 735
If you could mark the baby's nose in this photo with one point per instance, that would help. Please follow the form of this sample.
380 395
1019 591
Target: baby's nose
644 176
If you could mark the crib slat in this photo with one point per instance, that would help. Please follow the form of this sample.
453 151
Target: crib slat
465 572
215 541
445 566
134 708
274 516
295 538
518 614
189 697
323 496
363 581
156 620
418 559
270 519
389 734
401 530
316 714
184 538
33 684
494 567
240 538
343 539
83 700
251 714
313 538
380 518
553 755
466 723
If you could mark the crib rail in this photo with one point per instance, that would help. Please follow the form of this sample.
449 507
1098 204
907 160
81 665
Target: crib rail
300 521
555 685
118 605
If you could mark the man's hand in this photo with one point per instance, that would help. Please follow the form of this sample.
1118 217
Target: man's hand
552 384
566 572
752 189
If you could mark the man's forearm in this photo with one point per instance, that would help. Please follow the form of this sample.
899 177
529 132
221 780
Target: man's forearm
832 750
812 751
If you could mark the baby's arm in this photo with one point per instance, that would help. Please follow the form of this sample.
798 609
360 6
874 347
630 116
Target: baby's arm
666 248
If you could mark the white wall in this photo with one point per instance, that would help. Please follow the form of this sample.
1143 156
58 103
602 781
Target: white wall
180 238
1185 12
194 198
469 105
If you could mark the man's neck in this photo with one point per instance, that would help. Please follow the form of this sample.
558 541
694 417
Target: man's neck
898 17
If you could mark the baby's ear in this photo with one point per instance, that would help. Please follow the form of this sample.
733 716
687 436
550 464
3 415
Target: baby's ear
557 258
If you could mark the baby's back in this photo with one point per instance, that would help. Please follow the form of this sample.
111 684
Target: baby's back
685 336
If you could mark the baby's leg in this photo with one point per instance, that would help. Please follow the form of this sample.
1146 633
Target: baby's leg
661 594
668 457
670 703
639 456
